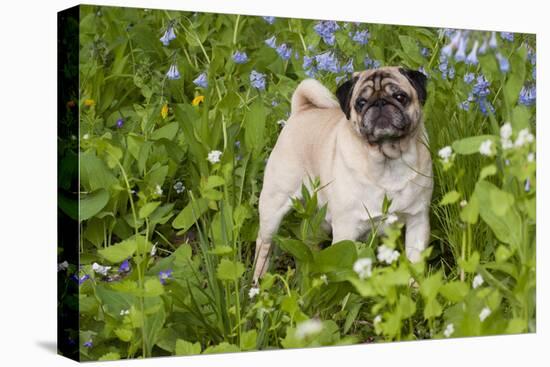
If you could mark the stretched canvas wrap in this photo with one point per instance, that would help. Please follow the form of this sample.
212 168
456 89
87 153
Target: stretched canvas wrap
180 231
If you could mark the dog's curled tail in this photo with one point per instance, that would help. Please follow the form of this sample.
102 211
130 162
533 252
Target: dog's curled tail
311 94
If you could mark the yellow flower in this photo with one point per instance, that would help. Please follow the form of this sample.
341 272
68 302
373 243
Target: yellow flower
89 102
197 100
164 111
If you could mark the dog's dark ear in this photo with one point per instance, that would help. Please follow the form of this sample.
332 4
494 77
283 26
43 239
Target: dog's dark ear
418 81
343 93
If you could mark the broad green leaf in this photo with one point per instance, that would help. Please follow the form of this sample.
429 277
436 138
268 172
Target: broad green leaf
153 287
337 257
119 252
147 209
296 248
450 198
93 203
230 270
223 347
124 334
111 356
470 212
431 285
470 265
248 340
168 131
471 145
432 309
190 214
254 127
487 171
221 250
454 291
185 348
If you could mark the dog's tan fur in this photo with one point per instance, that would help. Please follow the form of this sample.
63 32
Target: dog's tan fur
319 141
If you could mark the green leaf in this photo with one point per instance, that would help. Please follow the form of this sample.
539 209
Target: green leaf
450 198
124 334
470 265
147 209
93 203
516 78
254 125
153 287
168 131
221 250
230 270
487 171
454 291
223 347
185 348
471 145
111 356
470 212
153 323
248 340
190 214
296 248
431 285
432 309
119 252
339 256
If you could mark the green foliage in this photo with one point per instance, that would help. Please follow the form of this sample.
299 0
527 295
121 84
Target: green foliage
178 227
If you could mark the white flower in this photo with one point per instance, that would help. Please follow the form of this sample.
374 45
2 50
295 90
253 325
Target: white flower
445 153
179 187
214 156
485 147
484 313
158 190
391 219
62 266
478 281
387 255
449 330
324 278
507 144
281 123
363 267
254 291
523 138
506 131
530 157
308 327
85 136
463 203
124 312
154 250
100 269
377 319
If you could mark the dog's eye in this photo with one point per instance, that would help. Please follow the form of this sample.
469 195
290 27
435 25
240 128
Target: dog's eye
401 98
361 102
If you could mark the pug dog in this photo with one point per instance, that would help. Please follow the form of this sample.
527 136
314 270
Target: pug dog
369 143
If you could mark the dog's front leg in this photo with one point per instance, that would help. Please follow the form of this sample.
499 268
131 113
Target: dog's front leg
417 234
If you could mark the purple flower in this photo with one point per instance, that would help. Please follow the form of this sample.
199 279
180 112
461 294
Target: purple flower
447 51
461 51
81 279
532 56
201 81
425 52
308 62
284 51
503 63
361 37
481 88
423 71
469 77
534 73
527 186
269 20
257 80
327 62
483 48
451 73
240 57
120 122
165 275
271 42
348 67
508 36
471 59
124 267
88 344
485 106
465 105
528 95
173 73
168 35
326 30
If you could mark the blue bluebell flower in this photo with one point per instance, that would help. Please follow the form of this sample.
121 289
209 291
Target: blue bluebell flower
311 72
269 20
424 51
327 62
124 267
423 71
88 344
173 72
165 275
120 122
308 61
527 186
361 37
81 279
503 63
508 36
532 56
296 55
326 29
447 50
534 73
493 40
461 51
201 81
348 67
240 57
485 106
481 87
257 80
271 42
471 59
168 35
284 51
451 73
469 77
464 105
528 95
274 103
484 45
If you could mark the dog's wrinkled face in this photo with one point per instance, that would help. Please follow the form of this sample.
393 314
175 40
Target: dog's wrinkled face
384 105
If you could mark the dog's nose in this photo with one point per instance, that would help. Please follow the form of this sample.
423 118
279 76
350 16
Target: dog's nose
380 102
